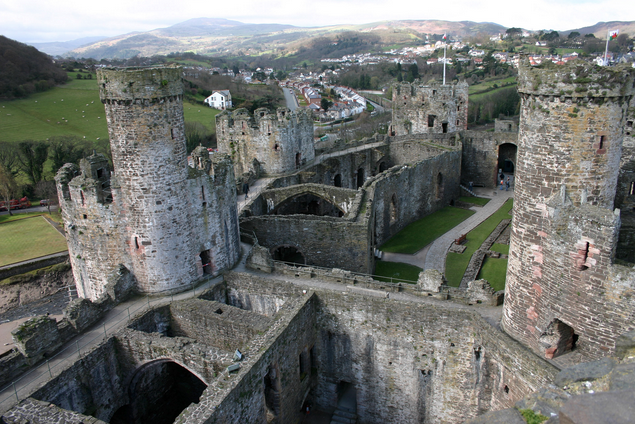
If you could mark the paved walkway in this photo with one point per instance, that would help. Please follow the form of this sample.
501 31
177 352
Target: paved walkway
254 191
435 259
433 255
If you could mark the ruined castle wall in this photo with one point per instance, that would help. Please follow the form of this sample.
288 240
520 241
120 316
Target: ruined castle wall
625 196
226 327
214 217
279 142
324 241
433 108
144 111
481 154
403 195
341 197
94 234
271 385
564 231
418 363
415 148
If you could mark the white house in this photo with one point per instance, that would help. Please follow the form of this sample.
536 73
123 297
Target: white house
220 99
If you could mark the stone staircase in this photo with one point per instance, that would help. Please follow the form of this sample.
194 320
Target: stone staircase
344 415
468 190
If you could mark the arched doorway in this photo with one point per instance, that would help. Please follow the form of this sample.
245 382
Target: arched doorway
383 166
507 157
337 181
288 254
159 391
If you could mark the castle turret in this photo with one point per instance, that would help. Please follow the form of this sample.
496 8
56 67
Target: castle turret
429 108
564 230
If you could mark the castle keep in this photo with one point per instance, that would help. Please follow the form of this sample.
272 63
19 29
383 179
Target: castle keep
168 224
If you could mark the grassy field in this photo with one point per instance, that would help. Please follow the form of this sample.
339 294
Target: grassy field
474 200
494 270
420 233
488 84
456 263
72 109
28 238
398 271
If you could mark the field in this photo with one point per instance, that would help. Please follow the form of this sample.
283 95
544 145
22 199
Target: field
28 238
72 109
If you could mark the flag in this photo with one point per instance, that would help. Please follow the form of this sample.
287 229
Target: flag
613 34
445 37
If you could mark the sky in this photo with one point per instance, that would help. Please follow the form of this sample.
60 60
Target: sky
32 21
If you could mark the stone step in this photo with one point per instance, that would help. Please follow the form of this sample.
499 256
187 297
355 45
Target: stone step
341 420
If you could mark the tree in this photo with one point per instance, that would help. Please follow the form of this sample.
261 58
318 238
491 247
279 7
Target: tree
31 158
325 103
8 187
68 149
573 34
514 32
47 190
9 157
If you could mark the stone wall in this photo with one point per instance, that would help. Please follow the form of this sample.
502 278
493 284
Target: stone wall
625 196
481 152
275 142
433 108
562 290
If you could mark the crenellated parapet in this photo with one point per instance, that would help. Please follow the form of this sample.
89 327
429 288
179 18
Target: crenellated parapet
275 142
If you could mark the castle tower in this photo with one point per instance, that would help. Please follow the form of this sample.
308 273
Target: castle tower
144 111
432 108
273 142
564 230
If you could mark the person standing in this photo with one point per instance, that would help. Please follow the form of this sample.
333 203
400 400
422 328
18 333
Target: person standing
246 190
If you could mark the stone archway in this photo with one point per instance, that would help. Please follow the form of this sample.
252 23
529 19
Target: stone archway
558 339
507 157
287 253
158 392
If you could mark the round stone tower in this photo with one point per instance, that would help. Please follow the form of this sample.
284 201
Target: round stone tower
145 123
564 229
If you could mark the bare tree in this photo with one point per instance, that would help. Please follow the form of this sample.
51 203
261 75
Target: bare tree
8 187
47 190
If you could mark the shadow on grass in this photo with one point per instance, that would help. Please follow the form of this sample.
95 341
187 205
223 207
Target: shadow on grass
396 272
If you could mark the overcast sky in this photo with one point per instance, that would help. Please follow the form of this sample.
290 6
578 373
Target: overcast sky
63 20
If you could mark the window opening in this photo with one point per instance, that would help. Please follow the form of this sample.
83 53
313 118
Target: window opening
444 126
601 142
631 190
136 243
431 121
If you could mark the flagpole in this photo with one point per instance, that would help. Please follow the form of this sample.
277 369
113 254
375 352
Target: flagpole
606 51
445 46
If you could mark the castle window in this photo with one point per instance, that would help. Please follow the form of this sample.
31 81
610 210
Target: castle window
203 192
431 121
583 255
276 147
444 125
506 389
457 122
439 186
601 146
434 92
631 189
172 133
85 216
100 172
136 243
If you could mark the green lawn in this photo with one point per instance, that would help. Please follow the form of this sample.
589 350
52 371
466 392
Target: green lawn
400 272
494 270
456 263
55 216
29 238
474 200
489 84
500 248
72 109
420 233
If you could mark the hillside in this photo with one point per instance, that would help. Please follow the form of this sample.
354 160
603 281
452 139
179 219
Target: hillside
601 29
25 70
225 37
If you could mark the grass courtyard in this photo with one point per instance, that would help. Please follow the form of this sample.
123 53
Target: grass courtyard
420 233
456 263
26 238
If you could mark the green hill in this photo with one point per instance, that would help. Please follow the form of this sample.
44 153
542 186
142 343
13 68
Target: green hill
25 70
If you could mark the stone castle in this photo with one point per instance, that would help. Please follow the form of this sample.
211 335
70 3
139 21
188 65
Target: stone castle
320 334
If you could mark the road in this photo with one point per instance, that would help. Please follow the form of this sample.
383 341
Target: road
290 98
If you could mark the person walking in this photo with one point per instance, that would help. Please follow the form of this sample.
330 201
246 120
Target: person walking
507 184
246 190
